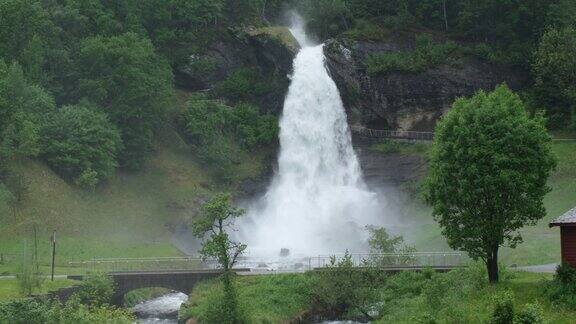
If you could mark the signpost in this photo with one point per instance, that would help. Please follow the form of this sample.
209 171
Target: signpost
53 252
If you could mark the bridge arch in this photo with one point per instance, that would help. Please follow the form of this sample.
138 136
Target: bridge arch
183 281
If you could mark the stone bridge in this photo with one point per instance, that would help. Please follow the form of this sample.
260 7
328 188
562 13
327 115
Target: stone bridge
182 281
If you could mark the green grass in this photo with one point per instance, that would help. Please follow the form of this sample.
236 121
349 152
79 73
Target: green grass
263 299
405 148
463 301
9 288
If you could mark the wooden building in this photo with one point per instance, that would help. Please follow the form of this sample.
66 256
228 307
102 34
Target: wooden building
567 224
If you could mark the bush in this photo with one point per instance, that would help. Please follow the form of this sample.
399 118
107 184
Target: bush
214 308
342 290
503 312
81 145
387 147
23 311
253 129
426 55
530 314
97 290
30 311
562 290
212 128
243 84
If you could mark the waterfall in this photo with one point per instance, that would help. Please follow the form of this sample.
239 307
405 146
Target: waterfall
317 201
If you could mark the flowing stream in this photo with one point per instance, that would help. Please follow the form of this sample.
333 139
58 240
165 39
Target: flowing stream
163 309
317 202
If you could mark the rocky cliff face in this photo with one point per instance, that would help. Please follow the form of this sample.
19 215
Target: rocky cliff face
269 50
402 100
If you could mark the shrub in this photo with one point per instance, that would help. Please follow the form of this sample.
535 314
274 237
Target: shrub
503 312
562 290
76 312
81 145
387 147
96 290
530 314
212 128
23 311
242 84
426 55
30 311
214 307
253 129
342 290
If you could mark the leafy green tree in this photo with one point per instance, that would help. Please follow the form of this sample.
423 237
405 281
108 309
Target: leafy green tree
133 85
21 21
22 110
81 144
554 68
204 124
33 60
212 225
488 170
326 17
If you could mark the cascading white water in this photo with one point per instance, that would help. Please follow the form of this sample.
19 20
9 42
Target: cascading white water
317 202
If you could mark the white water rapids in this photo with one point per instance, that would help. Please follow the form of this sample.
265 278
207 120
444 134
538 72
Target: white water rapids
317 202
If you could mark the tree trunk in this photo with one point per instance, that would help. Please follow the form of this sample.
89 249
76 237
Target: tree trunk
492 265
445 14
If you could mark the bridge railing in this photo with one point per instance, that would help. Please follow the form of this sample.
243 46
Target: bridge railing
395 260
393 134
142 264
280 264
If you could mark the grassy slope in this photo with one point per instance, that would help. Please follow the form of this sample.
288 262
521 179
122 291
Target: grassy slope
126 217
279 298
541 244
477 306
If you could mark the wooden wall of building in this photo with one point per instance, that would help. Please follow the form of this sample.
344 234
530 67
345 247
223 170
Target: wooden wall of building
568 243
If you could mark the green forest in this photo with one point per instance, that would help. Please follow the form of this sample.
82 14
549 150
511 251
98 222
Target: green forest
86 84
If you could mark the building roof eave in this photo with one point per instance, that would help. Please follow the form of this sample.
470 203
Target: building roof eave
567 219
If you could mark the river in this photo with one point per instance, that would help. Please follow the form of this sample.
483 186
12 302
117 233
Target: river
163 309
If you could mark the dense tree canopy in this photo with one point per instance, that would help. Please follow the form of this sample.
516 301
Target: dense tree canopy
488 170
118 56
555 71
81 144
22 108
123 76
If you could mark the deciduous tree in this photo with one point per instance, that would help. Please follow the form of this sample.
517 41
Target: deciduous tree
488 170
216 218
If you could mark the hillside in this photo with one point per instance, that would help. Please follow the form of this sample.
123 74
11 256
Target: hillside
133 214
